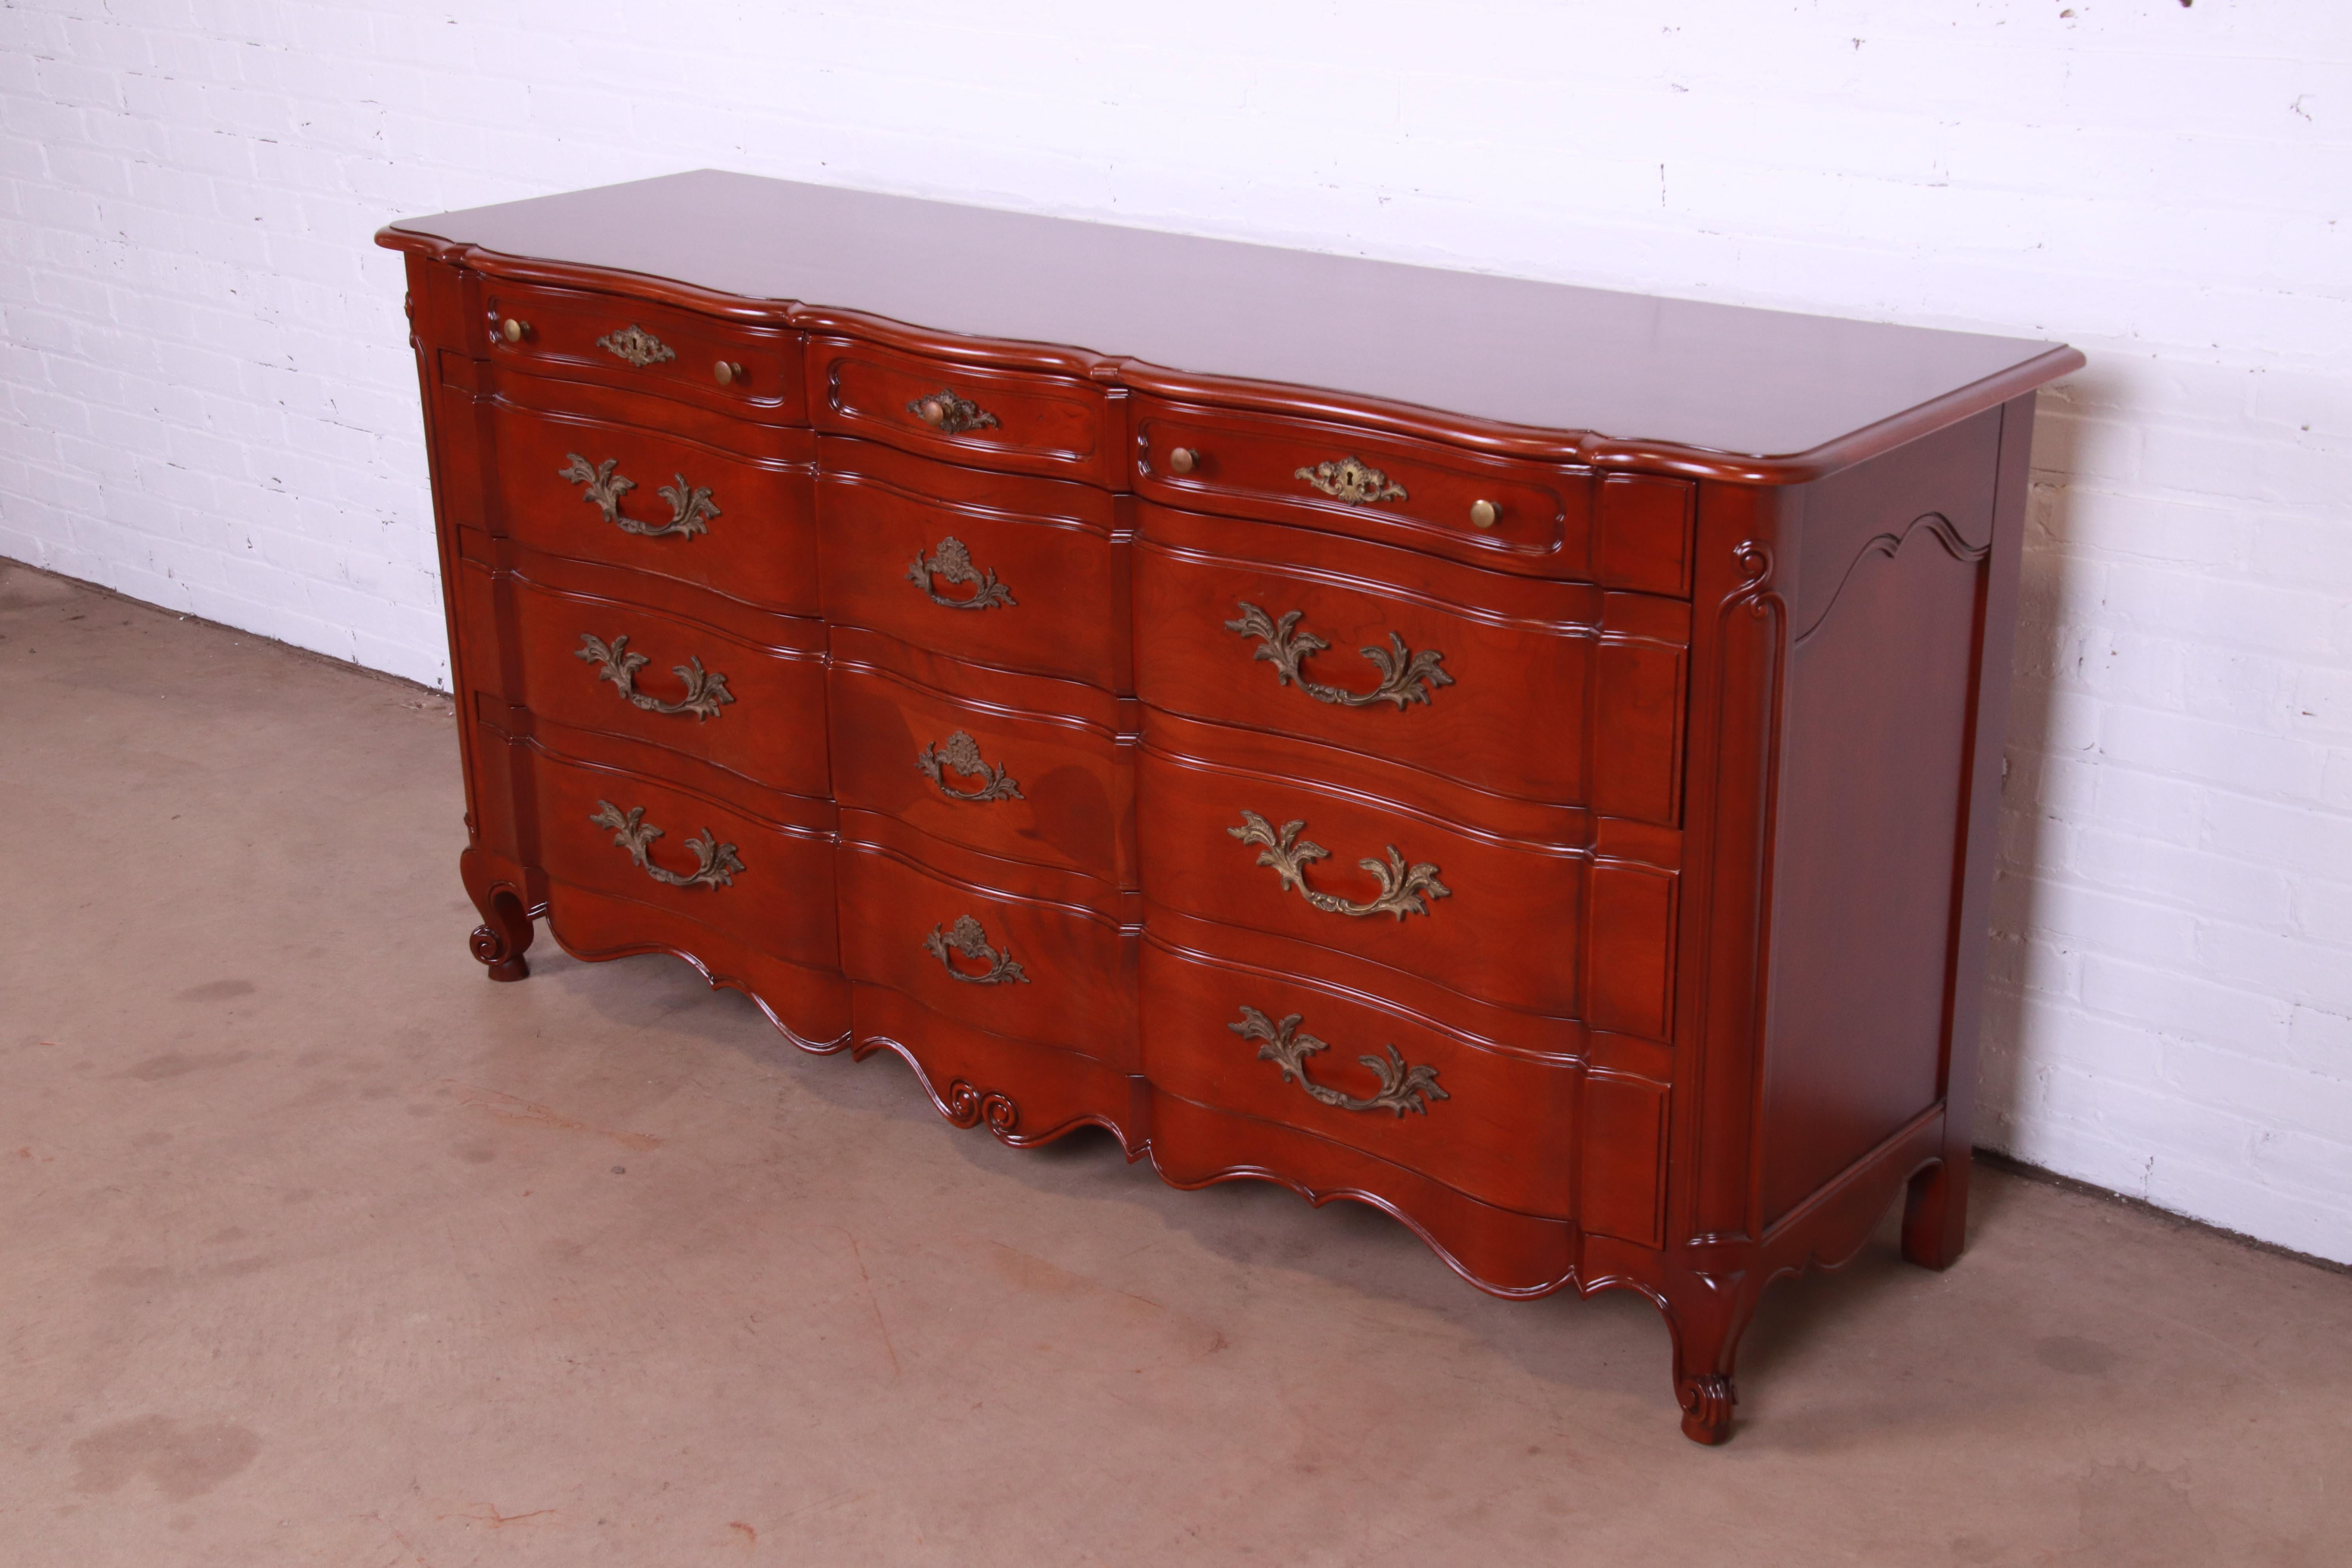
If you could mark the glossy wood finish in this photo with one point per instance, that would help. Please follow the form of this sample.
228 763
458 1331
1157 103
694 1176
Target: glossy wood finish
1664 644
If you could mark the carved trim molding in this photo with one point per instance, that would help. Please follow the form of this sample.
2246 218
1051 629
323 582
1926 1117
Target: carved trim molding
1887 546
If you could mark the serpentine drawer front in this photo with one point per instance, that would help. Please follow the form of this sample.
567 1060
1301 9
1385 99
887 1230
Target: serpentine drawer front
1521 757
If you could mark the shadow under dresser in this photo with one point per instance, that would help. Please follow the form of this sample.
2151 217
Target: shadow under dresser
1519 757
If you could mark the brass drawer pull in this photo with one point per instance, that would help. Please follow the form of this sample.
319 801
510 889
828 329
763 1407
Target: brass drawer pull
514 328
949 415
637 346
1352 481
1182 459
691 507
706 691
1404 676
1403 1089
960 752
715 863
1403 886
728 373
952 563
966 938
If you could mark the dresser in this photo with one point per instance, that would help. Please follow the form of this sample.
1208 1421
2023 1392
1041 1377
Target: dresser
1518 756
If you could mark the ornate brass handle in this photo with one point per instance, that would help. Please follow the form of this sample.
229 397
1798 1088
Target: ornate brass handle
690 507
960 752
1404 676
1403 886
966 938
951 416
637 345
1353 480
952 563
706 691
715 863
1402 1087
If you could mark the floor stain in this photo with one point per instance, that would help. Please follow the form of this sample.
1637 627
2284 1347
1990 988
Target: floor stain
514 1109
183 1461
2073 1354
176 1064
216 991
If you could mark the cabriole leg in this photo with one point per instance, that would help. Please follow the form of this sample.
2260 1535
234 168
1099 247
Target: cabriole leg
1936 1212
1707 1322
505 932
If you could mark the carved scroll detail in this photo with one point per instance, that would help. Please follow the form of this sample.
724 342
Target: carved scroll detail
706 691
1405 677
637 345
952 563
1402 1087
966 938
1353 480
1403 888
715 863
968 1107
690 507
960 753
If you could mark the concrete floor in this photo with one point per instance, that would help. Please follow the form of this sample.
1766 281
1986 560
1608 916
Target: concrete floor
315 1248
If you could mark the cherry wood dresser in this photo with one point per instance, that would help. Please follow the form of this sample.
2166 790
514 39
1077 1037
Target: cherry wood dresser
1518 756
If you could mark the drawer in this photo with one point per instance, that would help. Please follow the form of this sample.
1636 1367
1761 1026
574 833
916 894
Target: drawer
1008 949
1020 573
1322 862
1547 691
618 342
1017 421
628 836
1544 519
1497 1124
601 491
983 759
605 666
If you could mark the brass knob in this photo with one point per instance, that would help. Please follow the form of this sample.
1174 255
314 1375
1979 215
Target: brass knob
1483 514
727 371
1182 459
930 411
516 330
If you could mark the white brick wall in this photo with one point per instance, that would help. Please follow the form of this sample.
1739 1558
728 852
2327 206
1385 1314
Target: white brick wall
209 404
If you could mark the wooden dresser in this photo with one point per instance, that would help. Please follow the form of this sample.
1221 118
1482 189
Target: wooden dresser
1518 756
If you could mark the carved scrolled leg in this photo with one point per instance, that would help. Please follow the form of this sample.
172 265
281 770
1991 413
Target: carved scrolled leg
1708 1317
1706 1407
505 932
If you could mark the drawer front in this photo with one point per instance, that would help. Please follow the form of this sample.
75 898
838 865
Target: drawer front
1497 1125
1038 787
1016 421
625 496
1519 516
1500 920
1353 647
984 956
1042 590
620 834
616 669
618 342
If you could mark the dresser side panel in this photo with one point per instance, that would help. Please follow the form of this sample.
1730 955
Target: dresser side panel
1882 666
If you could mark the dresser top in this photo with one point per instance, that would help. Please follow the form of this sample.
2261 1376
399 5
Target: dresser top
1676 376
